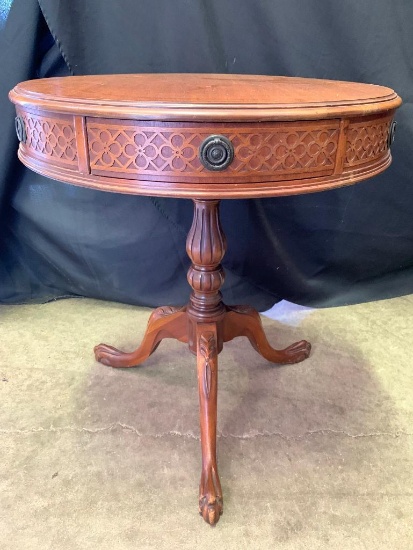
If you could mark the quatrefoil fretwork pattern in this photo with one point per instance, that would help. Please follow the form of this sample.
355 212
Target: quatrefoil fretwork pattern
52 137
140 148
366 141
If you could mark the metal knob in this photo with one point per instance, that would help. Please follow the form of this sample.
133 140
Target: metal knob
216 152
20 129
392 131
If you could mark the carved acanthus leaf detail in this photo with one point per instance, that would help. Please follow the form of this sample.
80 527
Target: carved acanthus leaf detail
208 349
164 311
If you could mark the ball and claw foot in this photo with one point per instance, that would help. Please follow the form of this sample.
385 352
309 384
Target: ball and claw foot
210 497
210 509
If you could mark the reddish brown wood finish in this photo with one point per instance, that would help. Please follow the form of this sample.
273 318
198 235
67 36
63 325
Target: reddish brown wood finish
165 322
205 324
210 492
202 97
169 151
141 134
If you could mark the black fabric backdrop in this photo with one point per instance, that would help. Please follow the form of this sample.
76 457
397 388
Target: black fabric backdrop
344 246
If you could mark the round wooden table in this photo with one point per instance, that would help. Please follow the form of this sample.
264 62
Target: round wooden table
204 137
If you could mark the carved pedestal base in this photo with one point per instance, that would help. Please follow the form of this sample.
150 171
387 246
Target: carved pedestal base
171 322
205 324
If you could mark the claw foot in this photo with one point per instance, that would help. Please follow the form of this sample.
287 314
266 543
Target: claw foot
297 352
210 497
210 508
107 355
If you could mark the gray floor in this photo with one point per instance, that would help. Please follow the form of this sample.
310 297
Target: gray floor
311 456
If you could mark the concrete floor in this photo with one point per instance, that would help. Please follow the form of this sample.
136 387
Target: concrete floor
312 456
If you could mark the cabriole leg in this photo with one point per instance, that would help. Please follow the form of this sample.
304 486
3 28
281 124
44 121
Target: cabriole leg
165 322
210 493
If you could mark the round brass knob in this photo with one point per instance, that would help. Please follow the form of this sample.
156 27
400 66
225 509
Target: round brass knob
216 152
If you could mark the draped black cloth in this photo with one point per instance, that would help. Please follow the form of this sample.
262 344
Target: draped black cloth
343 246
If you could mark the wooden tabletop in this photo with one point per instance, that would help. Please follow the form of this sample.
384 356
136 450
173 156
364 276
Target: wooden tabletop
204 97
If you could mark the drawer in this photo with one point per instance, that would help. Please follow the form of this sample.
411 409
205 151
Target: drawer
50 137
170 152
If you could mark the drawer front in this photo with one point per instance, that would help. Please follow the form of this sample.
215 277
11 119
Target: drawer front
162 151
367 140
50 138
